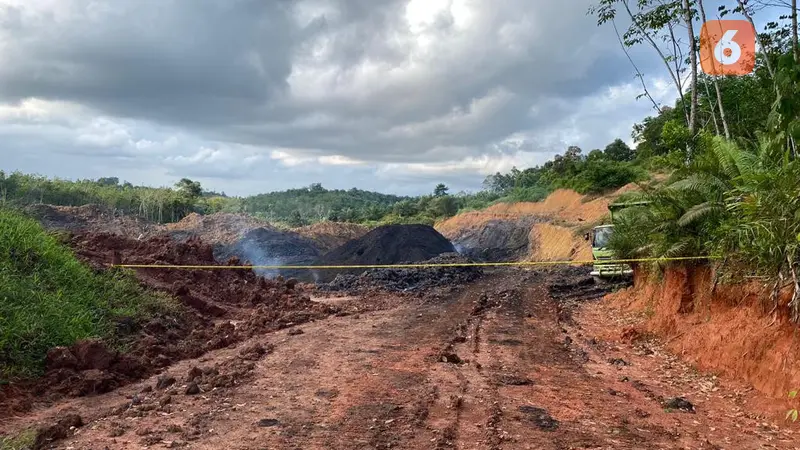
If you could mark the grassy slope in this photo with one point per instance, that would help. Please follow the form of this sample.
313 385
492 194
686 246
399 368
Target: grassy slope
49 298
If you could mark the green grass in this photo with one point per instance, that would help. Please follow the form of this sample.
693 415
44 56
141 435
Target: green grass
22 441
49 298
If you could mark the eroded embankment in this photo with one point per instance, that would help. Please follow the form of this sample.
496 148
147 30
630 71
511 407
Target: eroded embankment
727 329
550 230
220 308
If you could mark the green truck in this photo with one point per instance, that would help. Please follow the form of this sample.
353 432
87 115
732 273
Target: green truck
599 238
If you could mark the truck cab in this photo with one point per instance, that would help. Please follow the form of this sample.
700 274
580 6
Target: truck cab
600 252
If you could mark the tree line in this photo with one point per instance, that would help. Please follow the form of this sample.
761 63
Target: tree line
593 173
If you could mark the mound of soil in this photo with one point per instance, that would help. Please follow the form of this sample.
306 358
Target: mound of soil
496 240
211 292
91 218
407 280
555 243
272 247
220 308
388 244
330 235
254 241
219 228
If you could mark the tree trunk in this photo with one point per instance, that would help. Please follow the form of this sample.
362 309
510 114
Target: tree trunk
795 50
722 111
677 60
713 109
716 85
693 62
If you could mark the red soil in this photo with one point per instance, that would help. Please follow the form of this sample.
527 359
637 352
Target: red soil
726 330
220 308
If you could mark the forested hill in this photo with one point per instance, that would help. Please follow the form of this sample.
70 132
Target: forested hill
315 203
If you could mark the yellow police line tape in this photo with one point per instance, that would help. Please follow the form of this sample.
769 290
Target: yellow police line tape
412 266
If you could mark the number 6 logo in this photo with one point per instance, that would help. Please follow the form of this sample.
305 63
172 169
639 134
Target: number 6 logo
727 51
727 47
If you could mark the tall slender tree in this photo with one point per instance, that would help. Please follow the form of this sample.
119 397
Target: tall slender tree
688 17
715 82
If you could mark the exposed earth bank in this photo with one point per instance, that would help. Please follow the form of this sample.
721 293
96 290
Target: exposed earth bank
732 330
550 230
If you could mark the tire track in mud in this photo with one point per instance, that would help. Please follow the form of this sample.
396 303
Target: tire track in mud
469 406
511 370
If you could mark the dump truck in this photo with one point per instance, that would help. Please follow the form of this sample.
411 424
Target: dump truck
599 238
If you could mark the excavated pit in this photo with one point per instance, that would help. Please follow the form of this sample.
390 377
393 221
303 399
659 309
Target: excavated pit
496 240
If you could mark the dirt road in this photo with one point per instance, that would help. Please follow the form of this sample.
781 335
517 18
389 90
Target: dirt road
499 365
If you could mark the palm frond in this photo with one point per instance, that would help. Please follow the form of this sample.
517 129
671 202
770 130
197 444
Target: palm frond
699 212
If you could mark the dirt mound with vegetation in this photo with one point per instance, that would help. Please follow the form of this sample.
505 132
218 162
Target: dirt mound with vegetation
407 280
94 218
218 308
388 244
726 329
330 235
562 204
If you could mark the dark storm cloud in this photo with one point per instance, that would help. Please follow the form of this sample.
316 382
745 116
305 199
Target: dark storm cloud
376 81
166 60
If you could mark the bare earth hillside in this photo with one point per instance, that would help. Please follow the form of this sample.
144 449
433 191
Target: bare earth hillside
541 231
219 228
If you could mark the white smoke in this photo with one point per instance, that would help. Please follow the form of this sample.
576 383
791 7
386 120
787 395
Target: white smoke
251 251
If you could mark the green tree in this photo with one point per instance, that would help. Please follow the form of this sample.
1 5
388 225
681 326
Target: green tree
444 206
440 190
296 219
618 151
110 181
499 183
405 208
188 188
595 155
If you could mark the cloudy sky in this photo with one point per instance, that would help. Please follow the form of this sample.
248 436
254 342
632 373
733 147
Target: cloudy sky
249 96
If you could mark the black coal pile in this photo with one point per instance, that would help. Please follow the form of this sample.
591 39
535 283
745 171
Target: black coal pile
407 280
271 247
389 244
497 240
